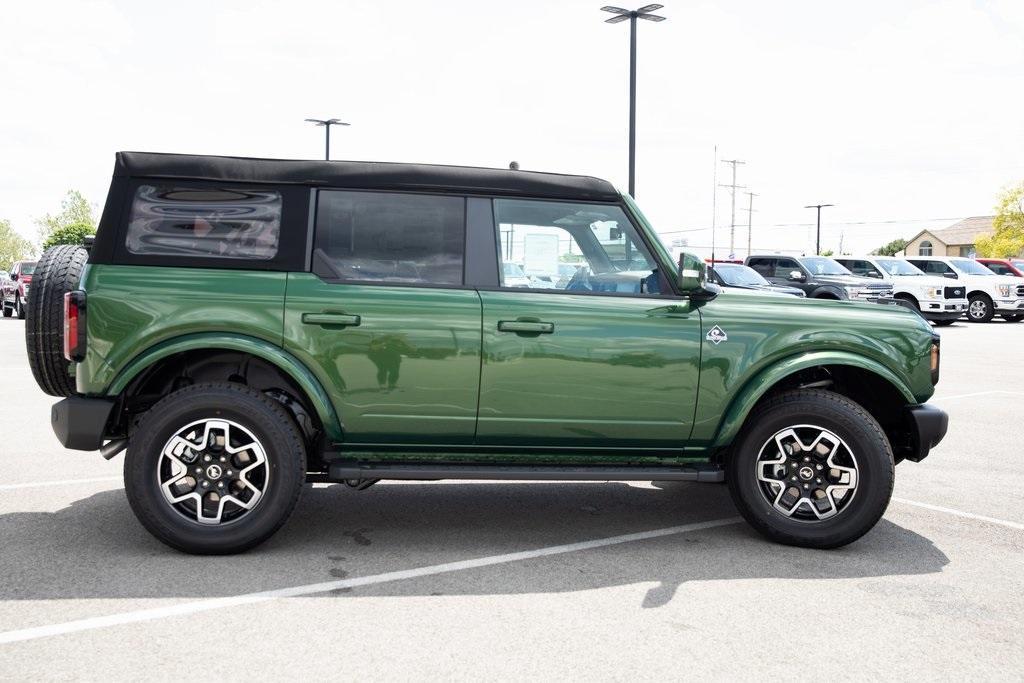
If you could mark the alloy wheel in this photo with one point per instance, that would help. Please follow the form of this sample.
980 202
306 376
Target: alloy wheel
213 471
807 473
978 309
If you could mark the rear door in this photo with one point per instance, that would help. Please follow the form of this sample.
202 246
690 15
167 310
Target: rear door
599 357
385 319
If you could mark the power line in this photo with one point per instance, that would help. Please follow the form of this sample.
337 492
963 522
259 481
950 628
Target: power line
834 223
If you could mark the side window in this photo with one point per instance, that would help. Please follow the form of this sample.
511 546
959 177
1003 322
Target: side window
765 267
998 268
198 222
572 247
785 266
389 237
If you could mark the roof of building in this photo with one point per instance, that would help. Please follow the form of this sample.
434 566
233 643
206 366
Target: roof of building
365 175
961 232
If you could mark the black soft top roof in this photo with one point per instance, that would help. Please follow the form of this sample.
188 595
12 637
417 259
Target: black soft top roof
364 175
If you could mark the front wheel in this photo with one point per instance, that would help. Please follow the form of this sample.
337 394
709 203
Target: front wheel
812 469
215 468
980 309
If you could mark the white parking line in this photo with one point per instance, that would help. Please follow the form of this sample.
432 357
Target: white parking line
60 482
961 513
187 608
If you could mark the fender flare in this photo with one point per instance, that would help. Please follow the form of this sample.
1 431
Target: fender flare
756 387
274 355
828 289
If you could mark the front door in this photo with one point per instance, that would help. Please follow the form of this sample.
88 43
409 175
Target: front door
583 345
384 320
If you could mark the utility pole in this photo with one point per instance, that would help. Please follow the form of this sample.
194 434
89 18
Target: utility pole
622 14
734 187
327 123
750 221
817 243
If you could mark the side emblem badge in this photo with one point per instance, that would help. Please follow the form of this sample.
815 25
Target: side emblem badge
716 335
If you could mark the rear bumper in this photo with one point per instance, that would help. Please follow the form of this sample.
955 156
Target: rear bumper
80 422
930 424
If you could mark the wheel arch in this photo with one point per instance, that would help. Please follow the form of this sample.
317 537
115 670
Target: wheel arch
157 362
826 292
872 385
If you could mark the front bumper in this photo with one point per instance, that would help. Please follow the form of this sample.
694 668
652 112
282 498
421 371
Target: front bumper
80 422
1009 305
929 427
942 310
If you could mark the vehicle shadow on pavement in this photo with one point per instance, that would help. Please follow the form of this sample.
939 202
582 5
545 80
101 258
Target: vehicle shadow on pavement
95 548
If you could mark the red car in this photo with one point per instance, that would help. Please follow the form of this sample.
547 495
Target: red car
1014 267
15 292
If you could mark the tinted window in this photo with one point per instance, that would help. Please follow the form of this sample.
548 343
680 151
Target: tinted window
573 247
205 222
384 237
999 269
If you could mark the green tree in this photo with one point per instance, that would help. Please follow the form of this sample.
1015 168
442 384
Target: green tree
13 247
892 248
75 209
827 252
69 234
1008 238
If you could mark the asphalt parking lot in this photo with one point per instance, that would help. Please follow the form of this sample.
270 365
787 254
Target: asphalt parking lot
524 581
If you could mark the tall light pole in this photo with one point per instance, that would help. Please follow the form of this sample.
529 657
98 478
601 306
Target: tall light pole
327 123
622 14
750 222
734 186
819 207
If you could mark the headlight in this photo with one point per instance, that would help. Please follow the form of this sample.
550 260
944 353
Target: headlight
852 291
1004 291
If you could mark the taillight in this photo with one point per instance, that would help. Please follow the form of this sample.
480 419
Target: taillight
74 326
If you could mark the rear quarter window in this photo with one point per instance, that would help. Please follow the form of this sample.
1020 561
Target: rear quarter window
205 222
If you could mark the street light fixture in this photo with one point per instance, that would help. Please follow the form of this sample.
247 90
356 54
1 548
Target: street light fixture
327 123
817 246
622 14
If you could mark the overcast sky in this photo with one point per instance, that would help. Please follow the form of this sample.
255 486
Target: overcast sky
895 110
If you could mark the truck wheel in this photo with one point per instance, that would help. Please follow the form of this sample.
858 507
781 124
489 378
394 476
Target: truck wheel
943 323
215 468
18 308
7 309
980 309
811 468
57 272
1013 318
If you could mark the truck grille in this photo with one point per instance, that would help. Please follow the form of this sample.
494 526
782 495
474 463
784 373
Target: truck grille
954 292
1020 290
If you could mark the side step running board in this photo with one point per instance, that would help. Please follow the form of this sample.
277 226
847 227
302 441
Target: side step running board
349 471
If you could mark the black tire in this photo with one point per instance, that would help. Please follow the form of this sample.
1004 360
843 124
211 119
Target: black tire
267 421
57 272
943 323
7 310
980 309
18 308
1013 318
848 421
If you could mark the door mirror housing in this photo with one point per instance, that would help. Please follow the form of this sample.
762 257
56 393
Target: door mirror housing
693 278
951 276
797 276
14 276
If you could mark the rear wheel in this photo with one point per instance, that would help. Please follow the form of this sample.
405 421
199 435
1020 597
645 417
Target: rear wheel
18 308
1013 318
811 468
215 468
943 323
980 309
57 272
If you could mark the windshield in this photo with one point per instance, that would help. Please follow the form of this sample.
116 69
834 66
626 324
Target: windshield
819 265
737 275
895 266
970 266
1019 265
28 268
513 270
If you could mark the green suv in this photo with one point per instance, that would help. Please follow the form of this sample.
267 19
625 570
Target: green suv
245 326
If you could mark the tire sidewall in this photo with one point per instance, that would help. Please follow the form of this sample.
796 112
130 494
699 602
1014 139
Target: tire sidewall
989 311
875 476
146 497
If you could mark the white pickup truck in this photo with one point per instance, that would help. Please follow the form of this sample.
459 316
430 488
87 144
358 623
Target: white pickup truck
987 293
935 298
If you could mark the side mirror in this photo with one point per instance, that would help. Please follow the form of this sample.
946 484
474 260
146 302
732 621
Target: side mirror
875 274
14 276
951 276
693 278
797 276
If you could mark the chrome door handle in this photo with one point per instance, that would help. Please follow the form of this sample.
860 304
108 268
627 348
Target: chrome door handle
337 319
525 327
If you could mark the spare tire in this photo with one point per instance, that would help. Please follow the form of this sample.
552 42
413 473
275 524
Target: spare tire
57 272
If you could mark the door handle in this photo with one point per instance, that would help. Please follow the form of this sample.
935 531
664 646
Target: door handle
525 327
337 319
